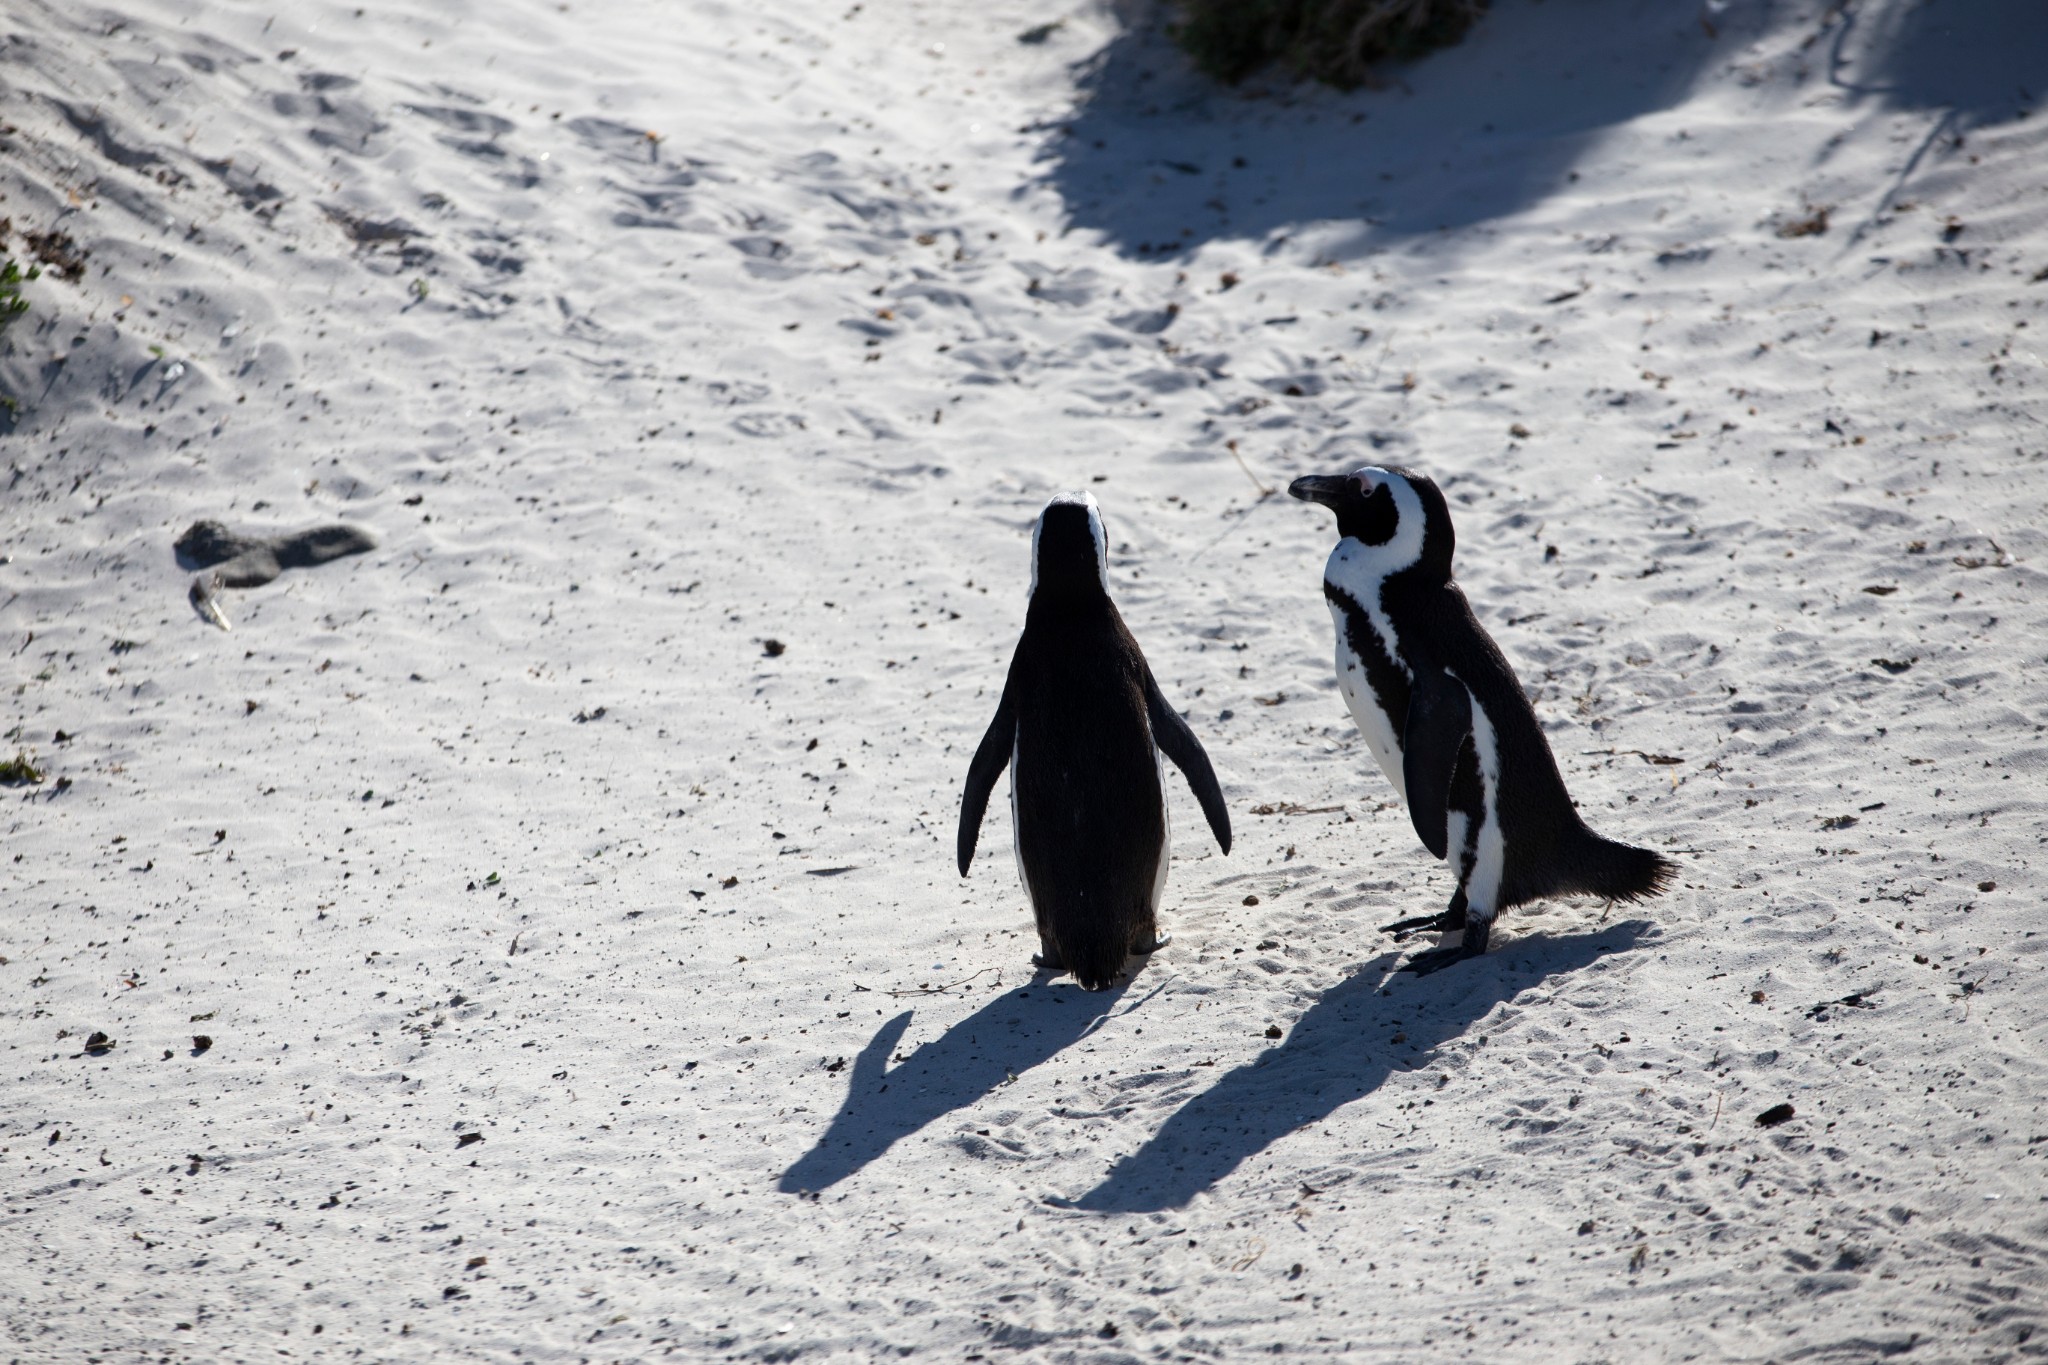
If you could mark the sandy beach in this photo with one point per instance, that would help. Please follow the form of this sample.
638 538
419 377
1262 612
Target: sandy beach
537 938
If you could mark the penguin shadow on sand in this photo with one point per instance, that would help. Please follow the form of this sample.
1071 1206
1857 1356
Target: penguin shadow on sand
998 1042
1336 1053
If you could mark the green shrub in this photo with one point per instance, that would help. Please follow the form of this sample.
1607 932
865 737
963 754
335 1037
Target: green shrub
1337 41
12 304
19 770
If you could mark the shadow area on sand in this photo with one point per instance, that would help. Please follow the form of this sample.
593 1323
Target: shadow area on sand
1159 159
1004 1038
1334 1054
1982 61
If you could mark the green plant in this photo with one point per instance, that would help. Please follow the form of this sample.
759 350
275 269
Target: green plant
1337 41
12 276
19 770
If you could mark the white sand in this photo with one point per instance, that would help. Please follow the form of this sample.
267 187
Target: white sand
803 367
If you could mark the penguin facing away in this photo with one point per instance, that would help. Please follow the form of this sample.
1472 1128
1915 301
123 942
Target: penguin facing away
1442 713
1081 726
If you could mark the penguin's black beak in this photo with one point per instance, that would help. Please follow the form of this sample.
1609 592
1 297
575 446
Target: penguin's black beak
1327 489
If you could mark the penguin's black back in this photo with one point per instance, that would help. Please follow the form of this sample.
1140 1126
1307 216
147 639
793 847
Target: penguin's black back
1090 818
1550 850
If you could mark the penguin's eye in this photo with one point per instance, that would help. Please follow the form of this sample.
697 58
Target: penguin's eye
1376 520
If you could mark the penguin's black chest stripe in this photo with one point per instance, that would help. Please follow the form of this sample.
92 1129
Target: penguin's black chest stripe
1386 678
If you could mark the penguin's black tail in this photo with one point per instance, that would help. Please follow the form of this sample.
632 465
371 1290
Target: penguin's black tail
1592 866
1096 964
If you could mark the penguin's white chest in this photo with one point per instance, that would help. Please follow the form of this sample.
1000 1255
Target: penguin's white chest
1375 726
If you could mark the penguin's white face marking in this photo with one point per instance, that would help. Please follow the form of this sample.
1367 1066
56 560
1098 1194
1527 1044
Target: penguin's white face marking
1404 547
1359 569
1395 517
1084 500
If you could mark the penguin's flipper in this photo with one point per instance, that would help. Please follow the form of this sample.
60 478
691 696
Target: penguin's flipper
989 761
1439 719
1178 743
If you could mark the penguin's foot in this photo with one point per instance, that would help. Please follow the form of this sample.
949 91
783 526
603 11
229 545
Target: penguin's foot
1151 943
1401 929
1477 932
1047 958
1435 924
1453 917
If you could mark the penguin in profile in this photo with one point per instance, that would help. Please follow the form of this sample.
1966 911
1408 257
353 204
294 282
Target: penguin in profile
1081 726
1450 726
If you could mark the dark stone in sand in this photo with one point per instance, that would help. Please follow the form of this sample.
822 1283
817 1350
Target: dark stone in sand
250 561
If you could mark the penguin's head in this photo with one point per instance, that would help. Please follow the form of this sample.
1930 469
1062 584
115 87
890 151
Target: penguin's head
1069 553
1399 515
